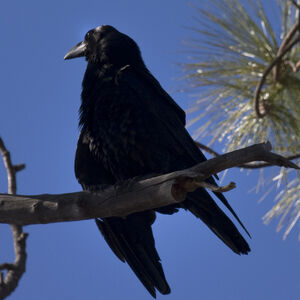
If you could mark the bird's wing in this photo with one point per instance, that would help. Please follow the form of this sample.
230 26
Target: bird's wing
89 171
131 239
142 88
134 76
169 113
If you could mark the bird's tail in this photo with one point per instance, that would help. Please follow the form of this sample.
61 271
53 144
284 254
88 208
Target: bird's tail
132 241
201 204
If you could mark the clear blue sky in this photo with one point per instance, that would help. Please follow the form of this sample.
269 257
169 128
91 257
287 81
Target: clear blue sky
40 96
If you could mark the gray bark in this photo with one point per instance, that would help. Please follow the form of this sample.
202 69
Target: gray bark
131 196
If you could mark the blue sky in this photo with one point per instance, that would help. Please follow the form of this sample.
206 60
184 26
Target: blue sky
40 96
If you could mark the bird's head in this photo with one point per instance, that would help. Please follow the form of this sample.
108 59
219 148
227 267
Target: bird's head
105 44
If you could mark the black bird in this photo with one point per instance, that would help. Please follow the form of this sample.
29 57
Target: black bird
130 127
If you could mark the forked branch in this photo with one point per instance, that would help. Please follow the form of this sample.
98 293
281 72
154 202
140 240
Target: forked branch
15 270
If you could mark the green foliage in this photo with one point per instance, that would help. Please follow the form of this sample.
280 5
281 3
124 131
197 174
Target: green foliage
237 42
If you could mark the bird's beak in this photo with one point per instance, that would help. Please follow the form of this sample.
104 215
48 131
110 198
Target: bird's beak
77 51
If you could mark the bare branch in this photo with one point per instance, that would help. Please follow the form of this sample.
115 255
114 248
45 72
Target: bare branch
207 149
11 174
217 189
129 197
14 271
263 165
245 166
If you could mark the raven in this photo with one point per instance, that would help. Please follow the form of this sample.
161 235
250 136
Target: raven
130 127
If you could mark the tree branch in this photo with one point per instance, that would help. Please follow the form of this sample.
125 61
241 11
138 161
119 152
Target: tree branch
284 43
130 197
260 107
245 166
15 270
295 4
207 149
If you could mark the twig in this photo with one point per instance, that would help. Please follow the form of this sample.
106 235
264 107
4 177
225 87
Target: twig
14 271
126 199
217 189
207 149
245 166
295 4
294 67
263 165
263 79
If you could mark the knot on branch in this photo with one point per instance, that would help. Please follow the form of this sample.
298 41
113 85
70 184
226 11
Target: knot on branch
264 107
7 266
21 239
18 168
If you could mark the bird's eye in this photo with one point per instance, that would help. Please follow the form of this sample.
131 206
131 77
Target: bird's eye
88 35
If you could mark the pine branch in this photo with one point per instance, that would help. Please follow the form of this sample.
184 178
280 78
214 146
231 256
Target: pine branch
261 109
282 47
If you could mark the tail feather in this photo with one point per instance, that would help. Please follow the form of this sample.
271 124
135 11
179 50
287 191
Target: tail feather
131 240
203 206
226 203
110 238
